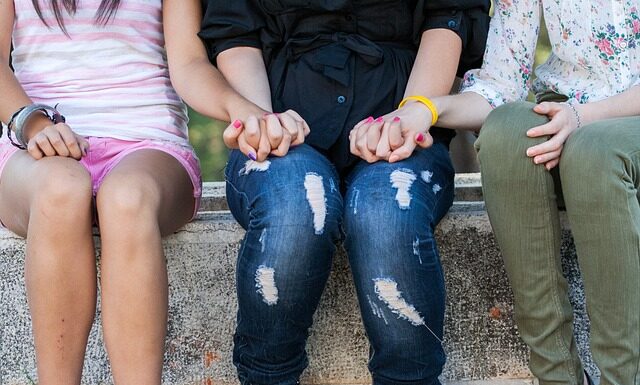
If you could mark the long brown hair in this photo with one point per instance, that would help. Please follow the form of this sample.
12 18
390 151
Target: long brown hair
104 13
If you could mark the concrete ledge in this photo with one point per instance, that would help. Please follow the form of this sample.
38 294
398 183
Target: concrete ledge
481 339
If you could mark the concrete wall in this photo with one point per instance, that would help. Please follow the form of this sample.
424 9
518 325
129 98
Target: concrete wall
481 338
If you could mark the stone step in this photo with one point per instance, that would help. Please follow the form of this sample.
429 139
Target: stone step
468 189
481 339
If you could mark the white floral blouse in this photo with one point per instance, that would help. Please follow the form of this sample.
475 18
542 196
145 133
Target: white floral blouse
595 50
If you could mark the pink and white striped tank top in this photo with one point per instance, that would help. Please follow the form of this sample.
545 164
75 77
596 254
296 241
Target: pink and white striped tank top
108 80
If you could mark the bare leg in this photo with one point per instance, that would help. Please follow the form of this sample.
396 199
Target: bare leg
148 194
49 202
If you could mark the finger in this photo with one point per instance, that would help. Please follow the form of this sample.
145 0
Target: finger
289 124
54 137
283 148
71 141
264 147
550 145
361 145
231 134
383 150
550 128
368 120
552 163
543 108
352 143
395 134
301 134
83 143
299 118
43 143
363 139
373 137
403 152
252 131
246 149
34 150
273 130
547 156
423 139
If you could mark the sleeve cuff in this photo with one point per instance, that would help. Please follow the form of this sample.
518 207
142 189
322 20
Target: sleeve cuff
471 83
214 48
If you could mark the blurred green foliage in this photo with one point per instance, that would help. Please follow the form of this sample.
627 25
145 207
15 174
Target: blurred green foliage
206 137
206 134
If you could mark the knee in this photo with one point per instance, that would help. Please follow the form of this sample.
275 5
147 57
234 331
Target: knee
122 197
62 189
503 134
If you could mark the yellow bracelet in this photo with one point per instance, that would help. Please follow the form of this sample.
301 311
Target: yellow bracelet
427 102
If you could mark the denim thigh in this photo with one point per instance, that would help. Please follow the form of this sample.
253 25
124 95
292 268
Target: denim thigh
390 215
291 208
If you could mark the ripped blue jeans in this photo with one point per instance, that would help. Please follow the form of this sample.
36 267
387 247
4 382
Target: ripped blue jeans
295 209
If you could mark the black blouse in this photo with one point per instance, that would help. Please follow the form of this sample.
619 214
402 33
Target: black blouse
338 61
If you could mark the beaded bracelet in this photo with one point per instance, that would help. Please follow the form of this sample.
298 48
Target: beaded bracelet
576 114
427 102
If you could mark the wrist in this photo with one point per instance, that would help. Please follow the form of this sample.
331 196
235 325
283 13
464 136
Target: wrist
424 101
36 123
238 107
420 110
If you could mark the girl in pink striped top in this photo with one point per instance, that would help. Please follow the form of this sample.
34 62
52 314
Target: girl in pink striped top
122 160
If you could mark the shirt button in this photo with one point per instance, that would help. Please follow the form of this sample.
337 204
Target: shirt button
341 99
452 24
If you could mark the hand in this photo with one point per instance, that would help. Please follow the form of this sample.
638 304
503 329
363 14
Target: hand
57 140
394 136
258 137
563 122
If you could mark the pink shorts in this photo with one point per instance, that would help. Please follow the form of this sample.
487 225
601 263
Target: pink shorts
105 153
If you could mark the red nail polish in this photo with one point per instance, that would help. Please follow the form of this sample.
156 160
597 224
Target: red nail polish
396 119
420 138
237 123
369 119
380 119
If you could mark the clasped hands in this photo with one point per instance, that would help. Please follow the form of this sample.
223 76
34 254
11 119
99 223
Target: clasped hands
263 133
391 137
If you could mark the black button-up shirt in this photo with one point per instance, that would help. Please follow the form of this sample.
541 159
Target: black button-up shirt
338 61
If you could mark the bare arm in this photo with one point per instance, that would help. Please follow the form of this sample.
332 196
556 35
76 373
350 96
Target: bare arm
12 96
44 138
245 70
238 92
392 137
197 81
617 106
465 111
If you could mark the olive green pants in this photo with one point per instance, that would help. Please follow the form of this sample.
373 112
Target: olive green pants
599 174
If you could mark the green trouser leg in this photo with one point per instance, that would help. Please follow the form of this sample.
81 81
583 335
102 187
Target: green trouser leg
523 211
600 173
522 207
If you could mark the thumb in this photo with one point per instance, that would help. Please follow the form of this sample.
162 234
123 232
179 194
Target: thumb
423 139
542 108
83 143
231 133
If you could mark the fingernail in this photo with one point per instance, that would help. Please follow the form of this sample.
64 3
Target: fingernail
380 119
420 137
252 156
237 123
369 119
396 119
